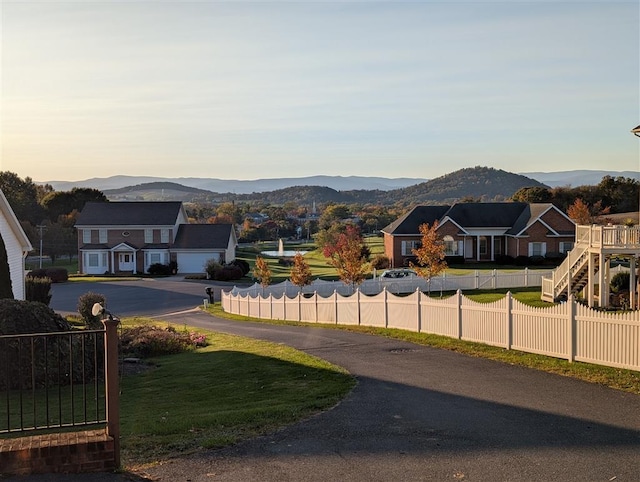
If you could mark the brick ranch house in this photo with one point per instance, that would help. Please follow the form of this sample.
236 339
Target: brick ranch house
128 237
483 231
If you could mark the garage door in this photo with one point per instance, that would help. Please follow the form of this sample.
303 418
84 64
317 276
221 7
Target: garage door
194 262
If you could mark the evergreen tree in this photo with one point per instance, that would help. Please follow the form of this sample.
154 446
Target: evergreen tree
5 275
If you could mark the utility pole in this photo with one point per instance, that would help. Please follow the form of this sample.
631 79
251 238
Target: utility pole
41 227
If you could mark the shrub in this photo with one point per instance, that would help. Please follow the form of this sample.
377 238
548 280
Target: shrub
536 260
56 275
454 260
210 267
38 289
521 260
218 272
620 282
380 261
18 317
505 259
285 261
85 305
243 265
149 340
159 269
173 267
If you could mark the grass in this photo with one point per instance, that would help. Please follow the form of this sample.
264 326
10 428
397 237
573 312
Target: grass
234 389
616 378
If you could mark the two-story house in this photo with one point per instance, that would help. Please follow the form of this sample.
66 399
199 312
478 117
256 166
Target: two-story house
483 231
129 237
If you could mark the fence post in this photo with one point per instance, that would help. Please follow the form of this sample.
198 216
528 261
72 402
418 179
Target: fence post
386 307
419 310
509 320
300 305
459 312
526 277
477 280
335 304
112 384
493 279
571 328
358 300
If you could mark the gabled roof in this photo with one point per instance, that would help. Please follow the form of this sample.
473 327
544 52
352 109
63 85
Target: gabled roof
486 215
203 236
129 213
408 224
534 212
514 217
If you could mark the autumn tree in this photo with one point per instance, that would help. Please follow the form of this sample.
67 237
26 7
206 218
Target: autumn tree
582 213
300 271
347 255
262 272
431 253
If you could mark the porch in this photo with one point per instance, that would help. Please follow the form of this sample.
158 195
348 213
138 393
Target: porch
589 264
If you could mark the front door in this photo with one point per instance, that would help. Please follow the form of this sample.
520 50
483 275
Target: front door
468 248
125 261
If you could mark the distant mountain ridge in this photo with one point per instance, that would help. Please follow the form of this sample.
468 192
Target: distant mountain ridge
339 183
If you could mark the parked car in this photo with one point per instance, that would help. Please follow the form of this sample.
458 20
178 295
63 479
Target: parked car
398 273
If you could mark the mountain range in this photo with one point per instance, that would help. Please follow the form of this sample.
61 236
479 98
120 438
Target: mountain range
338 183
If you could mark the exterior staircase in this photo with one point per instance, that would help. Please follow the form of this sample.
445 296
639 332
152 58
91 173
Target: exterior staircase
590 240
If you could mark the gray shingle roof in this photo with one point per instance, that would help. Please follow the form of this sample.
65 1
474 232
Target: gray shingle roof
408 224
203 236
129 213
484 215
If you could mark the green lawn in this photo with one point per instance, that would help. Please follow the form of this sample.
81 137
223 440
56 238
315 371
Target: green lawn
235 388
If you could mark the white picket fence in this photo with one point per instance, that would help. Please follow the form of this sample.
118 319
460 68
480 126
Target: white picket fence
479 279
568 330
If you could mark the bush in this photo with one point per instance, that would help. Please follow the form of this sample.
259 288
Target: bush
521 260
380 261
454 260
243 265
149 340
285 261
505 259
56 275
38 289
620 282
218 272
159 269
19 317
85 305
536 260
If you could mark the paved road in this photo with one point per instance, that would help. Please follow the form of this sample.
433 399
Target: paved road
419 413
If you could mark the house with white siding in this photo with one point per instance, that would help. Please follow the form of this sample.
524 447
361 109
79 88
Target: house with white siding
17 246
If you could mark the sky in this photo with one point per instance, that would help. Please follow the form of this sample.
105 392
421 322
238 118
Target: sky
268 89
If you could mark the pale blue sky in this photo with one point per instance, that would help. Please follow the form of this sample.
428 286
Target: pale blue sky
247 90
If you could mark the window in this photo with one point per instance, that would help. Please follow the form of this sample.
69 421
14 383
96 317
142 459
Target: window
148 236
450 246
93 260
537 249
565 246
409 246
483 244
154 258
103 235
86 236
164 236
497 246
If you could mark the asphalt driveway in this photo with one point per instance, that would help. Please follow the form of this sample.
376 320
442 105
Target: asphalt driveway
419 413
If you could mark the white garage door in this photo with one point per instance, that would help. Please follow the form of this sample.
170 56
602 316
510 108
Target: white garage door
194 262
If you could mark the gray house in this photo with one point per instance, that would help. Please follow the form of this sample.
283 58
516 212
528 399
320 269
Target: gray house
129 237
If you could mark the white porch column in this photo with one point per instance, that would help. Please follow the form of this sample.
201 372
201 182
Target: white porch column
113 263
477 248
590 289
601 282
493 254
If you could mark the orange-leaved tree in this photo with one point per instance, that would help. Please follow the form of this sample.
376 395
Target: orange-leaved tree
582 213
262 272
347 254
300 271
430 254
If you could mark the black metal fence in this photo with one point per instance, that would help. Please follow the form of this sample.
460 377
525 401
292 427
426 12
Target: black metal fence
52 381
